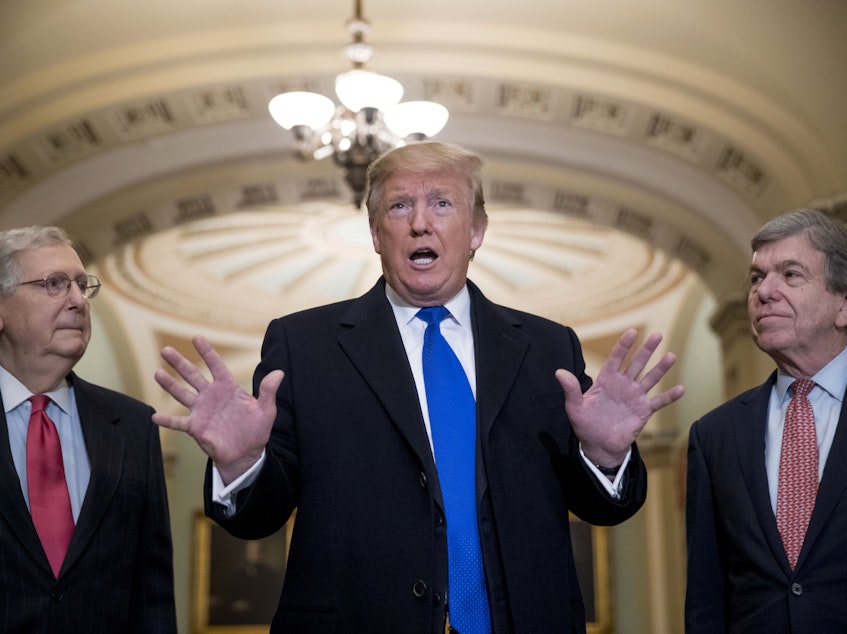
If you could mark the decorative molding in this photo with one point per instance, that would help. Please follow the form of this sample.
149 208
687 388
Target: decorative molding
36 157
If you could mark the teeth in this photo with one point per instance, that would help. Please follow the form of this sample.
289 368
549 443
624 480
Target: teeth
422 260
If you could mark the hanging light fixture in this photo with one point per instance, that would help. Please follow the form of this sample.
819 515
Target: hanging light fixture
369 121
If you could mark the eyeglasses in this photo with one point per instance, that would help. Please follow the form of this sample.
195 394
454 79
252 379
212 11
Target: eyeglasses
58 285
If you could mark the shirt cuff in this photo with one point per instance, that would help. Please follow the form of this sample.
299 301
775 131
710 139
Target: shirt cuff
613 487
225 494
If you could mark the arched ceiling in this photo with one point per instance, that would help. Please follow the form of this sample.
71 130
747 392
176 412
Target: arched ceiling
677 127
240 270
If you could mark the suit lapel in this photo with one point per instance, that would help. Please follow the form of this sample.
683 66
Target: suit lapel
12 504
385 367
499 347
832 485
105 446
749 430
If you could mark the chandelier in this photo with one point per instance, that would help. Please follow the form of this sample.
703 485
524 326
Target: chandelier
369 120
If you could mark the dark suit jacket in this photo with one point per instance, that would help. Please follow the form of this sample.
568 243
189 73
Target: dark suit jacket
739 579
350 451
117 576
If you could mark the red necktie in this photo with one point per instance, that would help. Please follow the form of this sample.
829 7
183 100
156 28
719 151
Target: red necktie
49 502
798 471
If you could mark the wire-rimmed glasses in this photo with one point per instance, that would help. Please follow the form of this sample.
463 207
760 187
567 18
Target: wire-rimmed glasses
58 285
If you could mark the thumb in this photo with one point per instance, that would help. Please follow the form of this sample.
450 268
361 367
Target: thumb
570 384
269 386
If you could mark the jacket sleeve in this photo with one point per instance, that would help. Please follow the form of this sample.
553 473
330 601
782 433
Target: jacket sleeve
263 507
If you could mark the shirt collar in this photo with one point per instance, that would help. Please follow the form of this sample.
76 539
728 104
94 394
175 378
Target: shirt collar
459 307
14 392
832 378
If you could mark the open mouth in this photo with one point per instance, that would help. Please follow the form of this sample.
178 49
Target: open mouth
423 256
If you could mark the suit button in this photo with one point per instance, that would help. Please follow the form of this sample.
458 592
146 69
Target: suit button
422 480
439 518
436 599
419 588
56 597
796 589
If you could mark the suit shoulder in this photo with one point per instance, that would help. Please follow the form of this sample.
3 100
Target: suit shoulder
485 308
311 318
724 414
106 397
530 321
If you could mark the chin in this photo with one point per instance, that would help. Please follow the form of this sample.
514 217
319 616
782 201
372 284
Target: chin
770 344
74 350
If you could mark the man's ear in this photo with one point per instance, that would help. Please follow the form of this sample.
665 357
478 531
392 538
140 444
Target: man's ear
841 315
375 237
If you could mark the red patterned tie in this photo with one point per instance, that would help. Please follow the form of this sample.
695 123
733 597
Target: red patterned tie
49 501
798 471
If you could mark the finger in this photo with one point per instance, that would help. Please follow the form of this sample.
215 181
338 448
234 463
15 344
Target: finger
173 387
620 350
570 384
177 423
185 368
642 356
658 371
211 358
268 388
666 398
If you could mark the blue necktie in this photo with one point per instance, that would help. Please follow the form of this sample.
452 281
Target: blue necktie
452 417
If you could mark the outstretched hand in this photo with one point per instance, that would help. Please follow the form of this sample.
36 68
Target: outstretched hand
228 423
613 411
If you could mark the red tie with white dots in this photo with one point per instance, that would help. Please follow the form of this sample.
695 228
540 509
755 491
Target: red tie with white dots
798 471
49 502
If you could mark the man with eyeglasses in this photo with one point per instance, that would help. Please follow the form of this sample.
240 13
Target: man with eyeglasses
85 543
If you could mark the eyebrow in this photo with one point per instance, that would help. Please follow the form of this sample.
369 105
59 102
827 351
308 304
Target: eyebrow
780 266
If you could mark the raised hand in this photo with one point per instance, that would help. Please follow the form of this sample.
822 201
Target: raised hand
614 410
228 423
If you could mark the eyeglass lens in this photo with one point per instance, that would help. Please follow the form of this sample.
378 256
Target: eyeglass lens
60 284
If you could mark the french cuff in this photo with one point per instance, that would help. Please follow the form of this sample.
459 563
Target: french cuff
224 495
613 487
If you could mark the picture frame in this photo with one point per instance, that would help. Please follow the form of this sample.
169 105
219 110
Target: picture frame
237 583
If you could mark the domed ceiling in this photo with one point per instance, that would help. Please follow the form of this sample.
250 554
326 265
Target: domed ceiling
626 144
239 270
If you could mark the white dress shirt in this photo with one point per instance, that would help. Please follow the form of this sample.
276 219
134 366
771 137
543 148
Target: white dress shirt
62 411
826 399
458 332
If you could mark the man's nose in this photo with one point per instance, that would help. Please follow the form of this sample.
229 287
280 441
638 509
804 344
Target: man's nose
419 219
75 295
768 287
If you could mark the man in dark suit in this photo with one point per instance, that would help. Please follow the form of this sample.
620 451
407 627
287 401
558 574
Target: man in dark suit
352 436
767 536
85 543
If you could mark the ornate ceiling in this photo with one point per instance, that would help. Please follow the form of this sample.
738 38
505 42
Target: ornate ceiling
627 143
240 270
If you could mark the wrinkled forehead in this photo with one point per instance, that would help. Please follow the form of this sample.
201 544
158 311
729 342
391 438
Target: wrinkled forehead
60 258
428 182
796 247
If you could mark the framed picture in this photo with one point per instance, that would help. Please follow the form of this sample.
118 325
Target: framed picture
237 582
591 555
